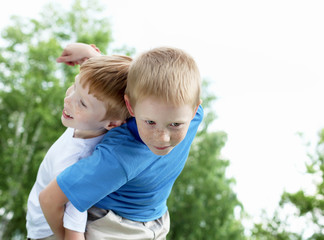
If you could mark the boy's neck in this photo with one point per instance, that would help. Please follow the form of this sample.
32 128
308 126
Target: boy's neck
84 134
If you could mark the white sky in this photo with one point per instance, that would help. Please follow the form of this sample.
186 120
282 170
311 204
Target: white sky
265 60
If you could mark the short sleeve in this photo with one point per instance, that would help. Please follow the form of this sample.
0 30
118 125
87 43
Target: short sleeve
74 219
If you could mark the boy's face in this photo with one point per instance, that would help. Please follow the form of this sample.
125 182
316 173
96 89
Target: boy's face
161 126
82 111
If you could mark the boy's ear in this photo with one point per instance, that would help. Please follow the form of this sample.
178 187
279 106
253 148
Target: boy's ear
196 109
129 107
112 124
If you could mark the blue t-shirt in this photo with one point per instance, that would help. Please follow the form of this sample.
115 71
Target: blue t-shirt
125 176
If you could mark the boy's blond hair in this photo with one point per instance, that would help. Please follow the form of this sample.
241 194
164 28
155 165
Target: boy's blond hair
106 77
167 73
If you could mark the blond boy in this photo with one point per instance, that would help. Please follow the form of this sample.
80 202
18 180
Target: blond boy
92 106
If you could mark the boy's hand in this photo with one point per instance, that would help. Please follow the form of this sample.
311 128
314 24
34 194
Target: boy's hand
77 53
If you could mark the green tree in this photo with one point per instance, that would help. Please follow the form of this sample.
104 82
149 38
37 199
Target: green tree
276 228
32 89
308 207
311 205
202 201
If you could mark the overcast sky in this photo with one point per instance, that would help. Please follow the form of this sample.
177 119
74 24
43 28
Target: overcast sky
265 61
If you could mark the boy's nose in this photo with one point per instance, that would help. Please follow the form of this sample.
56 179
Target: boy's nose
68 95
163 136
67 100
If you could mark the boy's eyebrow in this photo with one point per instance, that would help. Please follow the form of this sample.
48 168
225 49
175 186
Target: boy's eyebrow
151 119
84 97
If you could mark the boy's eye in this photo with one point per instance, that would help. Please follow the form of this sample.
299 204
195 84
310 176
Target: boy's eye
82 103
150 122
175 124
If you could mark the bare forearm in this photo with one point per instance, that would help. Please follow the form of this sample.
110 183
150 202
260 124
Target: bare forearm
52 201
54 217
72 235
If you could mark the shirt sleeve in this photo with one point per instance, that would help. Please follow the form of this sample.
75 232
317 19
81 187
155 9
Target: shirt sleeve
73 219
91 179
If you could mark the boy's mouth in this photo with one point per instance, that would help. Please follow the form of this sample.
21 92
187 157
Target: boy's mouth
162 148
66 115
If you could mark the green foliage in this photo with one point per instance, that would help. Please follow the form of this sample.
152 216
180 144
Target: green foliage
274 229
32 89
202 203
309 207
312 205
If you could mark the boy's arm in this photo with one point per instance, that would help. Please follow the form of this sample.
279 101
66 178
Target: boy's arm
74 222
77 53
72 235
52 201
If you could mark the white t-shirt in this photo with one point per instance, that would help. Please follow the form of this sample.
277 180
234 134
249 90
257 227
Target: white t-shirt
63 153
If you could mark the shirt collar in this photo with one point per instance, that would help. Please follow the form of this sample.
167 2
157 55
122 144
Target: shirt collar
132 127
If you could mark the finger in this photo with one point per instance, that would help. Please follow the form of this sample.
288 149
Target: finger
63 59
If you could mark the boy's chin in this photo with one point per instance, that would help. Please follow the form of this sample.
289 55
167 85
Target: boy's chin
64 122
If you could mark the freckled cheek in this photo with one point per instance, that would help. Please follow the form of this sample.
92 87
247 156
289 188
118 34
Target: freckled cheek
144 134
81 117
178 137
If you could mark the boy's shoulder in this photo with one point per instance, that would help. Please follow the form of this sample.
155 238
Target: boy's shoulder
199 114
200 110
126 134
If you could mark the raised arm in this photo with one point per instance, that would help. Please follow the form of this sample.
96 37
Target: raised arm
77 53
52 201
